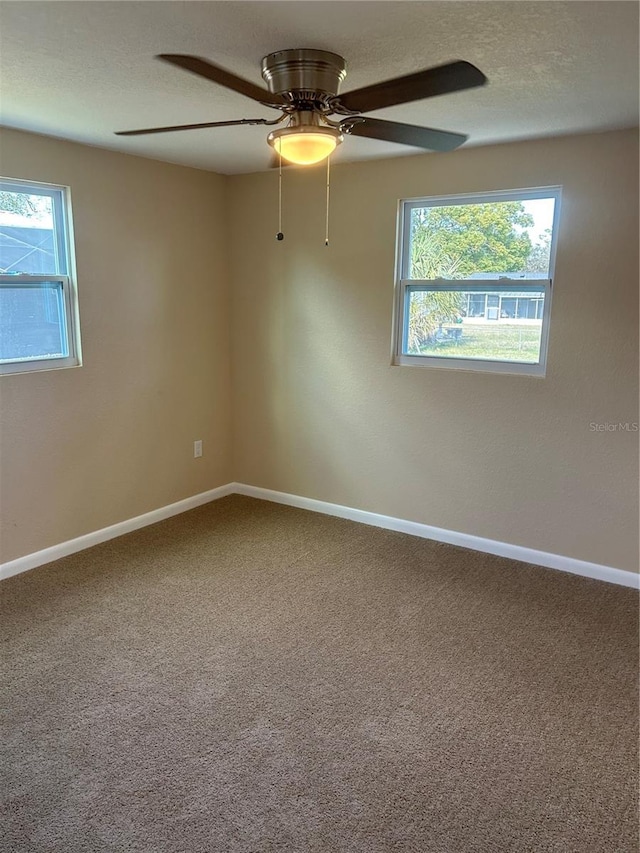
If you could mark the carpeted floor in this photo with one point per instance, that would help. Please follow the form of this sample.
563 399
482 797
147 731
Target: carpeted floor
248 678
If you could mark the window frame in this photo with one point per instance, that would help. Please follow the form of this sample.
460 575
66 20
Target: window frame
60 196
404 286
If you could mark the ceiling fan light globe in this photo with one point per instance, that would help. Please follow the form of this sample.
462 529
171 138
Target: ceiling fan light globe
305 147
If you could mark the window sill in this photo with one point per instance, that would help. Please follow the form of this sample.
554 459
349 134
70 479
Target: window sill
38 365
471 365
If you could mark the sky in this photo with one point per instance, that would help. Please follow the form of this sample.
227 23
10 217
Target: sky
42 218
542 211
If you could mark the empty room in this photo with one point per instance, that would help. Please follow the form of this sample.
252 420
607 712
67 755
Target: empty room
319 426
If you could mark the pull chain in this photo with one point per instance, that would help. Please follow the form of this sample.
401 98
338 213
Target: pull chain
326 226
279 235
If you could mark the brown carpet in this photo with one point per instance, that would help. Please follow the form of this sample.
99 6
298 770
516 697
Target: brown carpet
248 677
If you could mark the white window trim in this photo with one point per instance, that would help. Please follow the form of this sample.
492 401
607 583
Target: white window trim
66 254
402 285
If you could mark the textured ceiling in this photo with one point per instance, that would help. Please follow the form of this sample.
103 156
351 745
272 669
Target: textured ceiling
81 70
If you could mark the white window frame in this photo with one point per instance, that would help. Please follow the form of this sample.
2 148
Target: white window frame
64 243
404 285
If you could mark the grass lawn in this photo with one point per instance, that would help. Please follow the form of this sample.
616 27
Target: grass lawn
502 341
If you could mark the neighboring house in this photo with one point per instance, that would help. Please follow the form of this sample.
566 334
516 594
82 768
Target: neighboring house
511 306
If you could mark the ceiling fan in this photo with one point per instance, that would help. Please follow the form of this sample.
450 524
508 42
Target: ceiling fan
304 84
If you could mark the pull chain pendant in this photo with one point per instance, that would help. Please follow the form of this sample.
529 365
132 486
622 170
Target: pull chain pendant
279 235
326 224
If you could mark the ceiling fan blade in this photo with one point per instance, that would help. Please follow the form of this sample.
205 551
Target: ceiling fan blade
192 126
453 77
204 68
407 134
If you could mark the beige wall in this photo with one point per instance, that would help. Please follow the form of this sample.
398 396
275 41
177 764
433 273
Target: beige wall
319 411
86 447
317 408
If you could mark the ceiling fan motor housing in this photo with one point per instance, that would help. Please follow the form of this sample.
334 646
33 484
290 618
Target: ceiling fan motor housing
310 74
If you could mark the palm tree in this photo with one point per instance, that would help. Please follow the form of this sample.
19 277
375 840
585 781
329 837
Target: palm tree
428 310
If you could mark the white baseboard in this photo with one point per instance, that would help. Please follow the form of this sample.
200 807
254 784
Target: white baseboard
413 528
452 537
48 555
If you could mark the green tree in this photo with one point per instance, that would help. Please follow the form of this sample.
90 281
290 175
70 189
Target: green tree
17 203
428 310
455 242
478 237
431 257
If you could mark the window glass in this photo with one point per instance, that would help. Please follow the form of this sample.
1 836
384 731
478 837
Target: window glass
32 321
37 295
466 241
474 280
460 325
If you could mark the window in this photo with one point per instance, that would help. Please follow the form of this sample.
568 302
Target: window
38 308
473 287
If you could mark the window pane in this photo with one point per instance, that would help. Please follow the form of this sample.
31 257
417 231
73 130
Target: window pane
476 241
32 322
28 241
489 326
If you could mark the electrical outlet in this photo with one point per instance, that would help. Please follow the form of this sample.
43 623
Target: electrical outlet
197 449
